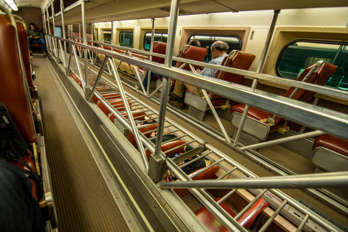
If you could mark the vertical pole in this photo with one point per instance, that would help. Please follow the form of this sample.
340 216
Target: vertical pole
150 58
49 30
259 69
155 170
54 32
63 28
45 27
84 31
92 38
79 48
112 33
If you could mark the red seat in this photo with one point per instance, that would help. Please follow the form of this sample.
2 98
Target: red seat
319 77
332 143
137 115
145 130
246 220
206 175
168 146
23 42
240 60
160 48
118 104
191 53
209 220
330 154
13 92
29 159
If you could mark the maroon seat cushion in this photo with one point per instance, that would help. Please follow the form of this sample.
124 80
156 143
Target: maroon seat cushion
332 143
256 113
209 220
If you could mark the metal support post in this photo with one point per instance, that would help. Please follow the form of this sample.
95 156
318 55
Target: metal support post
84 31
129 113
259 69
164 95
150 57
63 28
54 33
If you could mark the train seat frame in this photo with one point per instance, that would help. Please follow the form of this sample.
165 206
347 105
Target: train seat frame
330 154
198 106
257 126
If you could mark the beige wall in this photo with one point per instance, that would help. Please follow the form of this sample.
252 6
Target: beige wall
30 15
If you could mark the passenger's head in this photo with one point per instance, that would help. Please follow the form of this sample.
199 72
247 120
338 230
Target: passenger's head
218 48
32 26
194 42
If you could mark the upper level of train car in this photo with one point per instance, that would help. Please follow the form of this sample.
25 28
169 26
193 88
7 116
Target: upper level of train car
264 149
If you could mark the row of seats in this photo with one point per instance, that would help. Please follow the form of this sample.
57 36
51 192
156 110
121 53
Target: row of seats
171 148
15 84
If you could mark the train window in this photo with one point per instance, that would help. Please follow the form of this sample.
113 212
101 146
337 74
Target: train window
234 42
126 38
161 37
107 36
58 31
298 55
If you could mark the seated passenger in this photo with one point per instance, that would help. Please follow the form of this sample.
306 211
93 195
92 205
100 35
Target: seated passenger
20 211
35 36
219 52
193 42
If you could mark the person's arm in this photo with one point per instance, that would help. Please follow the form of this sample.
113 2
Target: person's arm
41 35
209 71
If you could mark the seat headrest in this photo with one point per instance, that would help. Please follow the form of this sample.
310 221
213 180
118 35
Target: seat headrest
13 89
160 48
236 59
319 77
191 53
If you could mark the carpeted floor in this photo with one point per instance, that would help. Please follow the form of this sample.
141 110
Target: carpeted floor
82 198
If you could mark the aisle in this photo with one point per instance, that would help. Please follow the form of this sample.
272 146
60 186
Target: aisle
83 200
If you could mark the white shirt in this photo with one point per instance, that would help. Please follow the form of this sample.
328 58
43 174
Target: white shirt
211 72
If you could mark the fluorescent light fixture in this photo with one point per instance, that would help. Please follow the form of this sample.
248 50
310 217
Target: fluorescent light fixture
12 4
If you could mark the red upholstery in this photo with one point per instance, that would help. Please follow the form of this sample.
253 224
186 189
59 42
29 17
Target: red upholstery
23 42
29 159
137 114
191 53
207 174
111 95
209 220
240 60
160 48
168 146
76 79
13 92
246 220
145 130
117 103
332 143
318 77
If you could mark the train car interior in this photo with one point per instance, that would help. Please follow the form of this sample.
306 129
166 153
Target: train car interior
191 115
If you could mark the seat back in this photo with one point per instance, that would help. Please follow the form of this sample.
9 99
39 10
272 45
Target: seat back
160 48
236 59
206 175
319 77
168 146
145 130
191 53
14 92
23 42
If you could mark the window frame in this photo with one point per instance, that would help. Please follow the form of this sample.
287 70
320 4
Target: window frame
162 33
214 36
119 38
313 41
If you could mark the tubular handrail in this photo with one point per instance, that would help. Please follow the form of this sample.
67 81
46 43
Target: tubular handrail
247 74
331 121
